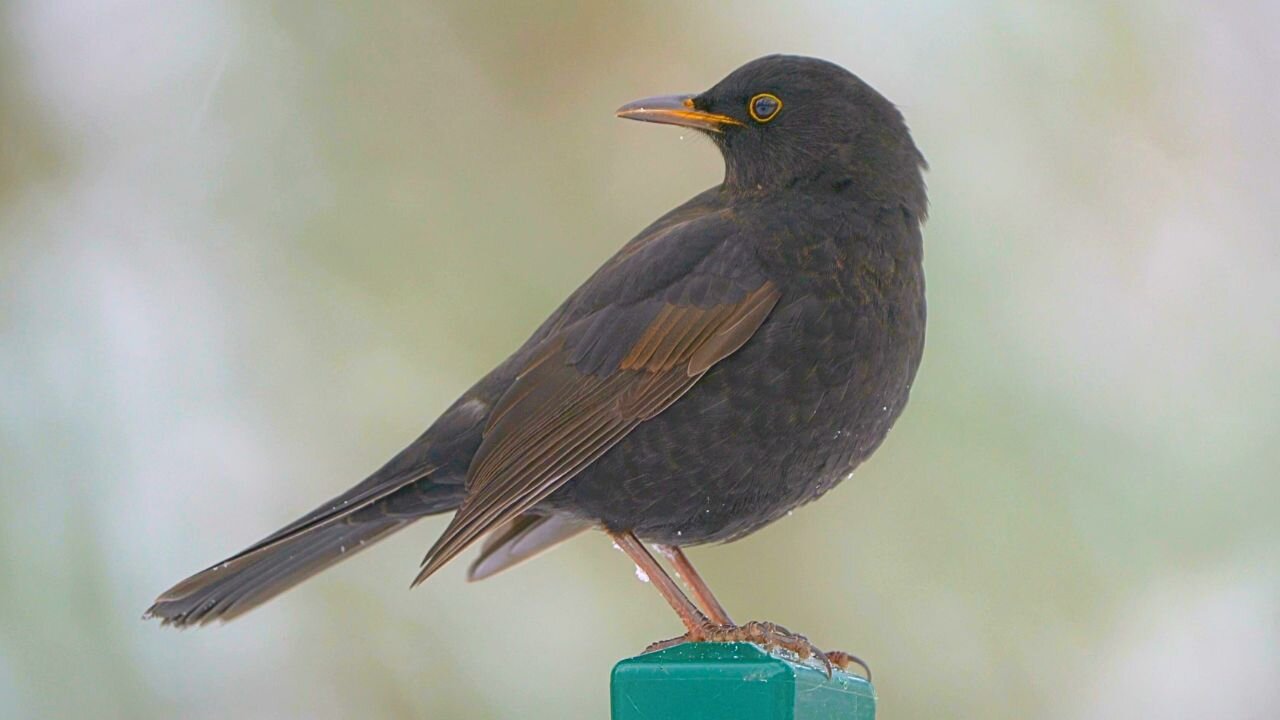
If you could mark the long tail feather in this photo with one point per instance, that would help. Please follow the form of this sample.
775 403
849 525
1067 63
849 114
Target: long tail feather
335 531
233 587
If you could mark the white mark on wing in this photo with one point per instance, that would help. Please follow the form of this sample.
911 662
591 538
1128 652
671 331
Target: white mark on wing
473 407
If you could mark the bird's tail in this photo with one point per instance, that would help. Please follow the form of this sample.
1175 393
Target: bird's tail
332 533
237 585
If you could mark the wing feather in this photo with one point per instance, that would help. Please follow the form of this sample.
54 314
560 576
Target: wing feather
557 419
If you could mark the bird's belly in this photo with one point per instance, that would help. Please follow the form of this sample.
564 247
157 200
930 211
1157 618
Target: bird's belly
771 427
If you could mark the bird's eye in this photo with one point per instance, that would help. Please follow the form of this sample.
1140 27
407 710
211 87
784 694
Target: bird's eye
764 107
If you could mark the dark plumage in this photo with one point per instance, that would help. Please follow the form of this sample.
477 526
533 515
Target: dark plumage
736 359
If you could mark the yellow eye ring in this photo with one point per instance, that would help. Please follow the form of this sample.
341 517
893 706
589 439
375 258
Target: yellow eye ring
764 107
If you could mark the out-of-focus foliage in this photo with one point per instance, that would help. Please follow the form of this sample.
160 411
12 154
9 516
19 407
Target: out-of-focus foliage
247 251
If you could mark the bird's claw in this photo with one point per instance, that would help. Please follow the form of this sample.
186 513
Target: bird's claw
843 660
769 636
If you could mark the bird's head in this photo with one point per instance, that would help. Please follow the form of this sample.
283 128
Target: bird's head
785 121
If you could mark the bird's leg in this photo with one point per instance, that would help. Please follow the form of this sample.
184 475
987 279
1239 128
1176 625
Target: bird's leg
694 621
701 592
720 628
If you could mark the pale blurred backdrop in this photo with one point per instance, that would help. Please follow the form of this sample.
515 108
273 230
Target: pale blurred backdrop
249 250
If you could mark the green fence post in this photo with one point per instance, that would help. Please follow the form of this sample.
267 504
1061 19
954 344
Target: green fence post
719 681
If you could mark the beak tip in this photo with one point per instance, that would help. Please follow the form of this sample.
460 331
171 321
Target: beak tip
674 110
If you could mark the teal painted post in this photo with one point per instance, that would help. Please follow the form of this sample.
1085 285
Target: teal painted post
719 681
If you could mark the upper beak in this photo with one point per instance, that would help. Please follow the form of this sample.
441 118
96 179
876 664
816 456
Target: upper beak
675 110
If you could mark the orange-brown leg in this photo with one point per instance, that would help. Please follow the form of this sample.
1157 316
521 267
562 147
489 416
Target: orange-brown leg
720 628
694 621
701 592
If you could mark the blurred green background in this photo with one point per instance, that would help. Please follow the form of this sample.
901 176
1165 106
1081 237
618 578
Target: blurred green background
249 250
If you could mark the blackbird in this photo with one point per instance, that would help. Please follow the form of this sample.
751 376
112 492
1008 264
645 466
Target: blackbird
735 360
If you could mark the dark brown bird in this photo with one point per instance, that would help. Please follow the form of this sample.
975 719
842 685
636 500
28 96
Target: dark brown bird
736 359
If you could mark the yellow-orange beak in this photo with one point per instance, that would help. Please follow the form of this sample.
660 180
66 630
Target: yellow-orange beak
675 110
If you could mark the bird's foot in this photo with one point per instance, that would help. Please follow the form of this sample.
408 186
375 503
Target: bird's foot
769 636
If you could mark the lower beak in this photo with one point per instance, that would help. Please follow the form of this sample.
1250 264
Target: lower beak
675 110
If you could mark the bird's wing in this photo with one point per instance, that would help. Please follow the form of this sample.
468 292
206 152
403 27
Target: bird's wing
683 302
